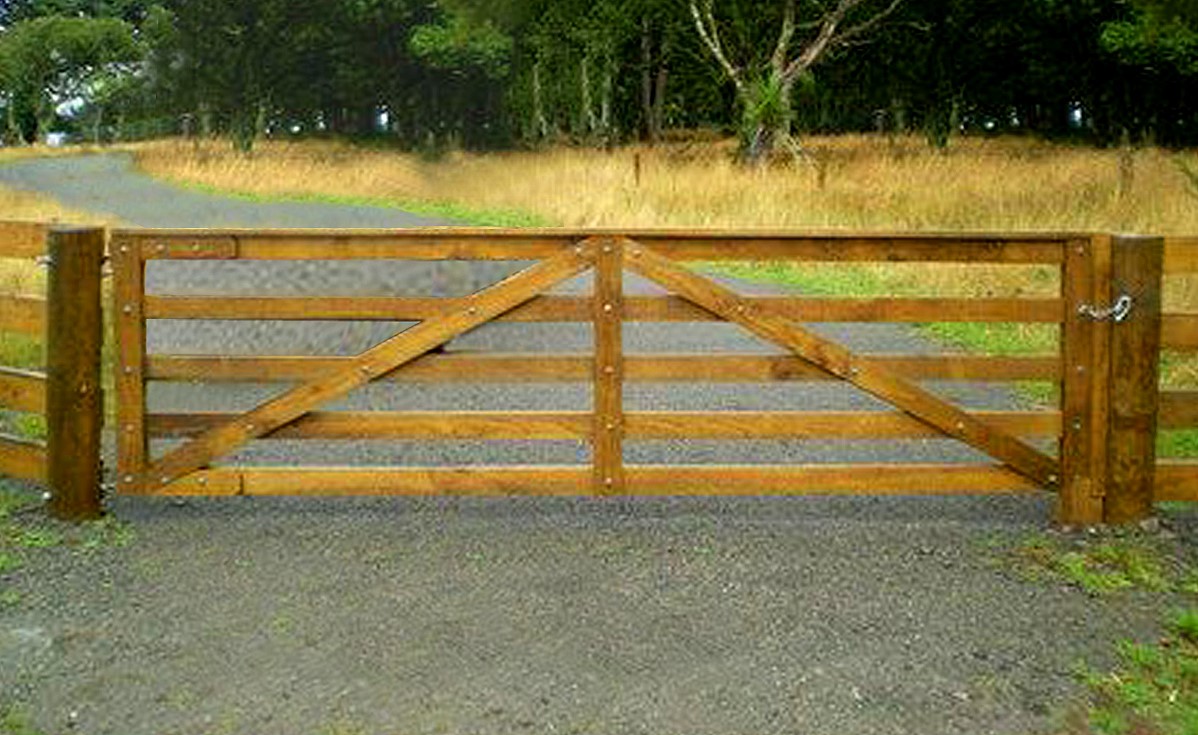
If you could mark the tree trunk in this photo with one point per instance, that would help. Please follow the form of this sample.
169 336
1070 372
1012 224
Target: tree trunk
657 118
540 124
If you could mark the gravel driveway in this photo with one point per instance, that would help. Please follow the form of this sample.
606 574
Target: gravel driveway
846 616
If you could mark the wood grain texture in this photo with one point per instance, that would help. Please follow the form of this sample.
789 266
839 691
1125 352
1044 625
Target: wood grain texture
130 337
379 360
23 315
1176 480
668 480
22 390
1179 332
1085 399
862 372
74 393
1136 264
607 437
555 368
1181 255
578 308
22 239
24 460
1178 409
531 244
543 425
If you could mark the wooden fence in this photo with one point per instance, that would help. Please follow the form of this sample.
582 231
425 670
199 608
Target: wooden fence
69 323
1095 450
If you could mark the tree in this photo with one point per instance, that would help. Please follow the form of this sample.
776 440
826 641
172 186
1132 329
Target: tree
765 86
52 61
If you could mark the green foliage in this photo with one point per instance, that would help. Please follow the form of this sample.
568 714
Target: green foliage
457 45
1153 689
15 722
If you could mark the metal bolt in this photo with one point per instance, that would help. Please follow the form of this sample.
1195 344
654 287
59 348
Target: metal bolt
195 247
472 310
202 480
741 308
1081 249
127 308
610 426
249 427
854 370
1077 424
1053 479
161 247
84 389
579 250
46 497
609 369
609 481
365 370
124 248
636 252
165 480
960 426
608 308
128 479
128 370
1080 368
607 248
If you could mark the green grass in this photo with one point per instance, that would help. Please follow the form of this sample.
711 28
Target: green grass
1153 690
459 213
1103 565
15 722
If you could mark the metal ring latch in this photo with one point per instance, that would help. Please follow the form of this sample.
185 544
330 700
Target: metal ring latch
1117 312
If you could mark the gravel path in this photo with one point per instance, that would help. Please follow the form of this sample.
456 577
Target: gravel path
839 616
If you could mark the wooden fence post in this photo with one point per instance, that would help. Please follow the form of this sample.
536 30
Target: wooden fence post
1136 268
607 442
74 397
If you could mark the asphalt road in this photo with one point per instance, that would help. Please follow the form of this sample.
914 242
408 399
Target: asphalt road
836 616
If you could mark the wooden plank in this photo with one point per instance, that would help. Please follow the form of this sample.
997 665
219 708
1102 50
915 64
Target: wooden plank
1179 332
607 437
1175 480
862 372
543 425
500 244
552 368
686 480
415 244
819 424
1085 352
22 239
22 390
24 460
364 368
1181 255
1135 378
892 249
129 328
396 425
23 314
578 308
1178 409
74 395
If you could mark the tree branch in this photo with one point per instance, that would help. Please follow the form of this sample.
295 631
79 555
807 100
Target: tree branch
782 50
709 33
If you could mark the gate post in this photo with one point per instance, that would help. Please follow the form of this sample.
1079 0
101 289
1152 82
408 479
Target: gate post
1110 356
1136 264
74 396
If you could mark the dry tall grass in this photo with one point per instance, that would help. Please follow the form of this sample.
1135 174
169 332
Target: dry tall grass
850 182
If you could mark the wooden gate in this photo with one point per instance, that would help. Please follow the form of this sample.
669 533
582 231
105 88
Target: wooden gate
1107 391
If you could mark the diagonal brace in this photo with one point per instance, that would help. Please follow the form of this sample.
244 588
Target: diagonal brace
840 362
375 362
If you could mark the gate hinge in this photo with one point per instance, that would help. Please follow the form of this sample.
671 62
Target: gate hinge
1116 312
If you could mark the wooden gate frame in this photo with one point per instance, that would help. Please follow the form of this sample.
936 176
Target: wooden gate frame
1109 390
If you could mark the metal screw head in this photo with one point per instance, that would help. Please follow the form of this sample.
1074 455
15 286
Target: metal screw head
607 248
1077 424
608 308
636 252
250 427
609 481
609 369
124 248
1053 479
854 370
165 480
128 370
46 496
202 480
127 308
128 479
610 426
129 428
741 308
161 247
472 310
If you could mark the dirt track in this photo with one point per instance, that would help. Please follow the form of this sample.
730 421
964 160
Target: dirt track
840 616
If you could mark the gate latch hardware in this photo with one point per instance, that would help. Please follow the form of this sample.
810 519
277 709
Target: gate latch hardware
1116 312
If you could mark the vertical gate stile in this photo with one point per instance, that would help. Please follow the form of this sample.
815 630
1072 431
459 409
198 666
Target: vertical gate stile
607 443
1137 264
1085 275
130 327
